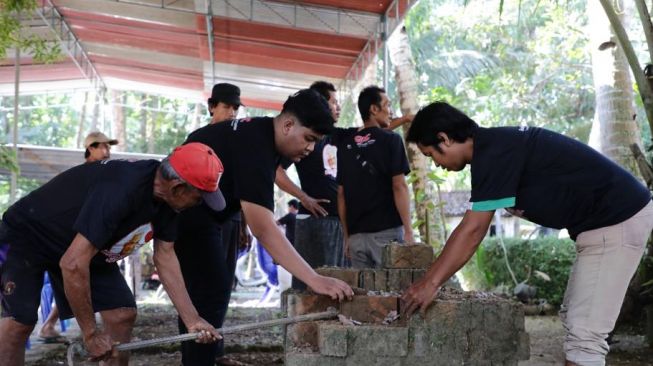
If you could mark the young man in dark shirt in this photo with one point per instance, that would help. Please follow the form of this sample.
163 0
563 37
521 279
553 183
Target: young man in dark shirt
556 182
206 247
288 220
373 200
318 232
250 150
79 224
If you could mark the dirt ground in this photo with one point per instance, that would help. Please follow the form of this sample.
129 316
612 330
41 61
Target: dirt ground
264 347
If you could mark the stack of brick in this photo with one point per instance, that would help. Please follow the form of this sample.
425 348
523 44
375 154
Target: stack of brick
460 328
401 266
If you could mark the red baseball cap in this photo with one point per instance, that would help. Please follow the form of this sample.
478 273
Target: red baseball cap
198 165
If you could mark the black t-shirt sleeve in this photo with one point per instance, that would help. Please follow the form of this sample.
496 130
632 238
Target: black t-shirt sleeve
398 162
497 168
284 220
106 204
165 225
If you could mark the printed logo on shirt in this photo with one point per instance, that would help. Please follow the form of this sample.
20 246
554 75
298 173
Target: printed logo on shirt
523 128
330 160
130 243
365 140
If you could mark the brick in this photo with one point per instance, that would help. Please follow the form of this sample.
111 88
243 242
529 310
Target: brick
348 275
304 303
523 346
380 280
367 279
388 361
312 359
399 279
398 256
332 339
418 274
302 335
377 341
369 309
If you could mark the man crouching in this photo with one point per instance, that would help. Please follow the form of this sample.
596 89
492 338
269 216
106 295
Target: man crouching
79 224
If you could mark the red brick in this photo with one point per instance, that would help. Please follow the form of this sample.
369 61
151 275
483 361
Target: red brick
302 335
304 303
399 279
367 279
349 275
369 309
418 256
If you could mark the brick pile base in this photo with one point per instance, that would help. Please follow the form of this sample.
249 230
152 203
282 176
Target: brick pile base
460 328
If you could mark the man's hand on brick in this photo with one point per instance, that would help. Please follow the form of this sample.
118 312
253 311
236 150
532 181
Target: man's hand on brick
418 296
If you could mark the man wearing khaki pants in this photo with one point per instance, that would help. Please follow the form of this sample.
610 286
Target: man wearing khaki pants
553 181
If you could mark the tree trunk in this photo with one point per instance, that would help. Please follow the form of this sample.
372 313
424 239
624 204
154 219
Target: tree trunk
614 128
197 116
152 127
82 123
144 119
119 130
425 199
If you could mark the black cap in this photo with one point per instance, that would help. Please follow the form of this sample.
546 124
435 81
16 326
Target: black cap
225 93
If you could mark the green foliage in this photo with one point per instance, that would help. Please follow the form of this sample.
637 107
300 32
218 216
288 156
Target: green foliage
487 269
11 37
506 62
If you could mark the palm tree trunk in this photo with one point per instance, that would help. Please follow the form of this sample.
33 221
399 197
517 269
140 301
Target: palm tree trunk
82 122
614 128
425 199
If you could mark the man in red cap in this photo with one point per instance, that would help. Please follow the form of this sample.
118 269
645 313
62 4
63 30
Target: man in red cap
79 224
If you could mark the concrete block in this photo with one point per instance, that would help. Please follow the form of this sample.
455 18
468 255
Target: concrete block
302 335
332 339
378 341
369 309
407 256
349 275
523 346
388 361
298 303
399 279
312 359
366 279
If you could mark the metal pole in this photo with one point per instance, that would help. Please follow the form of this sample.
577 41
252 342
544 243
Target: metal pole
386 55
211 39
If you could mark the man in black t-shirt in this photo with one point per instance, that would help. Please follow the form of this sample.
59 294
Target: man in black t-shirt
318 232
554 181
206 249
373 200
289 219
250 150
79 224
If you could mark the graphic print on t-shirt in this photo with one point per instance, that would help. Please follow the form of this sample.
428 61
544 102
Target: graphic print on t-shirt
330 159
364 140
130 243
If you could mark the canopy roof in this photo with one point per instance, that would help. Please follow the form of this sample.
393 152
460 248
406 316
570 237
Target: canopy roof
269 48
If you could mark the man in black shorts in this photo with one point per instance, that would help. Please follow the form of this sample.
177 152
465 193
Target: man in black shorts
79 224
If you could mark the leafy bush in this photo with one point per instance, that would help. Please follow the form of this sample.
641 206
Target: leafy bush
487 269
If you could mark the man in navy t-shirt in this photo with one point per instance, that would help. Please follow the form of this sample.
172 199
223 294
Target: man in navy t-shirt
373 200
554 181
79 224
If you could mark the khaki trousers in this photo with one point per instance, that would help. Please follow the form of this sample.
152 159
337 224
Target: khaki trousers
605 263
